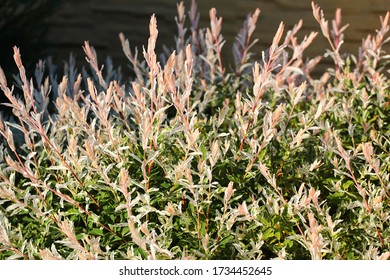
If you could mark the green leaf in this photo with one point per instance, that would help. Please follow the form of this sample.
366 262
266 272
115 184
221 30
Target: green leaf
277 235
226 240
351 256
96 231
347 184
204 152
269 232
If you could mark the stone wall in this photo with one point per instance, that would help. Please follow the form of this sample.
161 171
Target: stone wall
100 22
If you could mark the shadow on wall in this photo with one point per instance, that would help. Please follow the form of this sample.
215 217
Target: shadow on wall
23 24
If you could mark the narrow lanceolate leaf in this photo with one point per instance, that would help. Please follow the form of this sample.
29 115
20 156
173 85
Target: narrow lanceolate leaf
228 192
368 152
10 139
276 115
243 209
265 172
315 246
342 152
278 35
4 239
215 152
3 80
124 181
299 93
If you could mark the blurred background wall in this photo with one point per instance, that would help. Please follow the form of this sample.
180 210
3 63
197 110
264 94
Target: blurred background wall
68 25
100 21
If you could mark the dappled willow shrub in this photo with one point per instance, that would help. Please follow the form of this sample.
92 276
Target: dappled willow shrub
192 161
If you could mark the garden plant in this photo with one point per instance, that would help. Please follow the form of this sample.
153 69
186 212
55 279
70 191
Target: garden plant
191 158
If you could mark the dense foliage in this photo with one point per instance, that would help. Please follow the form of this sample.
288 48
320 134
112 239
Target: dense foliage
192 160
